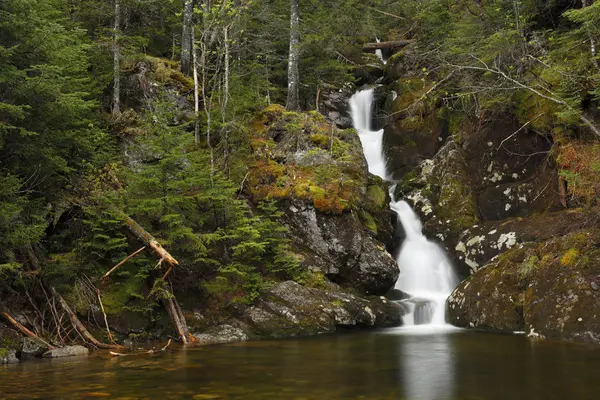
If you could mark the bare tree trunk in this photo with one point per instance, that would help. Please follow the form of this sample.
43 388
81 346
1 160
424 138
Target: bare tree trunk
116 109
226 99
293 97
585 3
206 101
186 37
196 92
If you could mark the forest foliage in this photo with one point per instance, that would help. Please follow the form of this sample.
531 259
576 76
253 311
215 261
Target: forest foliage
69 170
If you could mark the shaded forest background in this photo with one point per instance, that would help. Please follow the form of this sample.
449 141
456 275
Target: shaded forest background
174 148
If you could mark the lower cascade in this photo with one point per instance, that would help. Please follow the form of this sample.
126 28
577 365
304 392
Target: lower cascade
427 275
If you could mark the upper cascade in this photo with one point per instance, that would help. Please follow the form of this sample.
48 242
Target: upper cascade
361 104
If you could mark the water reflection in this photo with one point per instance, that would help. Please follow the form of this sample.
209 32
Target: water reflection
427 366
413 364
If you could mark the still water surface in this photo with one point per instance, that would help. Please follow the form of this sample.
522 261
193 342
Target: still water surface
393 364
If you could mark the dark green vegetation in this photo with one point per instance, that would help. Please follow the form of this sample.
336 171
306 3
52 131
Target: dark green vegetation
105 115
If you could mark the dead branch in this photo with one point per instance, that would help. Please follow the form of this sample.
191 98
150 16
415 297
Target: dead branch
129 257
520 129
79 326
105 318
550 97
24 330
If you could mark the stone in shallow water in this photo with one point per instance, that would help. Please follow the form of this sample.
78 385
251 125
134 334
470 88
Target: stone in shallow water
8 356
68 351
32 348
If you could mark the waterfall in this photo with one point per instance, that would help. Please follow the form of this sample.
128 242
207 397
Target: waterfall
379 52
361 105
426 273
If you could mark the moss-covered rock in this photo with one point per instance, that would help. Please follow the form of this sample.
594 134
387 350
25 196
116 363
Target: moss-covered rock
550 289
478 244
337 212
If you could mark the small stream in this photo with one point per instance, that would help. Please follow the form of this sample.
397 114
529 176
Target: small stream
386 365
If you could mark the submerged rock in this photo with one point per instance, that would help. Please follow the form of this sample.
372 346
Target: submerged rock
546 288
67 351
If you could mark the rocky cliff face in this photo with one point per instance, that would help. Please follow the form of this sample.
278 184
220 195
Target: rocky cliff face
495 192
337 213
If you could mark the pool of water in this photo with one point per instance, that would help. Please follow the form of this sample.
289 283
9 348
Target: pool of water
393 364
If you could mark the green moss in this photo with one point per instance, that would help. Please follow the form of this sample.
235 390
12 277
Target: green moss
3 353
528 266
376 196
368 221
569 258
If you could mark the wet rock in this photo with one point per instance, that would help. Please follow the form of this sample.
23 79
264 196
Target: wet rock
8 356
334 106
543 288
221 334
289 309
33 347
67 351
340 247
479 244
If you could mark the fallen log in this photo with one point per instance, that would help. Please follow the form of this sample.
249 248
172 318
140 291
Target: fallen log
148 240
394 44
164 257
24 330
79 326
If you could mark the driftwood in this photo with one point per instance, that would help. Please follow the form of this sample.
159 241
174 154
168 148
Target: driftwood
24 330
79 326
395 44
152 351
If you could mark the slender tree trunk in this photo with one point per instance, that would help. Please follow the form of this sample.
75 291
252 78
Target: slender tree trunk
226 98
186 37
116 109
585 3
196 91
293 98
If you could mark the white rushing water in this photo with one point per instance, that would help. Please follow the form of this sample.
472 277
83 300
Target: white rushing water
426 273
379 52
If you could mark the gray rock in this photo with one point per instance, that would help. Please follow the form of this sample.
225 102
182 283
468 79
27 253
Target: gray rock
67 351
290 309
8 356
32 348
222 334
341 248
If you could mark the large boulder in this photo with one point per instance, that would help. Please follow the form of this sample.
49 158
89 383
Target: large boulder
340 247
549 289
290 309
337 213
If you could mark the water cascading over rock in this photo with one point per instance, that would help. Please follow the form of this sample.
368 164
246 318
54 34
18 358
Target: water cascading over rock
427 274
